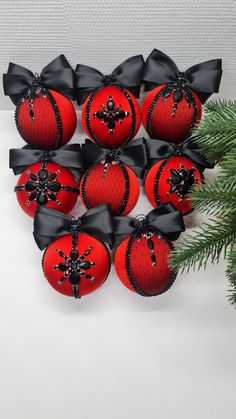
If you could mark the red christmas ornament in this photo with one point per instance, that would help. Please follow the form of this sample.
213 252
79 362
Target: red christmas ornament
142 264
77 257
109 179
142 258
76 269
46 184
114 184
170 114
173 108
44 115
169 180
111 115
49 122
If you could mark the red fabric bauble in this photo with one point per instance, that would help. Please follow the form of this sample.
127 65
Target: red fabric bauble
92 252
118 187
135 267
111 116
158 183
55 178
161 124
54 120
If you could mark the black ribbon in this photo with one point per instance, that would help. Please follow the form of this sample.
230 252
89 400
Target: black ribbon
158 150
69 156
164 219
133 154
128 74
49 225
57 75
204 78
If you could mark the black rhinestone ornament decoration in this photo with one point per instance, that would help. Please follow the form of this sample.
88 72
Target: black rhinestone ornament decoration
141 222
181 181
75 266
111 114
34 92
179 91
43 186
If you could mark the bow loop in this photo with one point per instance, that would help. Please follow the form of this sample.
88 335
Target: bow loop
50 224
133 154
204 78
164 219
57 75
128 75
69 156
159 150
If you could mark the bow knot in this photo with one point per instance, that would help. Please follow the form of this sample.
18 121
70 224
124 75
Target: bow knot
69 156
127 75
57 75
75 224
133 154
50 224
109 79
204 78
140 221
165 219
159 150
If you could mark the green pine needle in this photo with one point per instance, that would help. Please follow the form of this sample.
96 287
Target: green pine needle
231 275
228 166
206 245
215 197
216 134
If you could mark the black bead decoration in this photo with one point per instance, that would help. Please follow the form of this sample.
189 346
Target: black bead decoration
111 114
136 236
43 186
180 90
157 180
46 94
133 114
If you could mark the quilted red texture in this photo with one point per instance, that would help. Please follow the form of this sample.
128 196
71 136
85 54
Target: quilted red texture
149 279
43 131
67 199
99 255
163 186
110 189
123 129
163 125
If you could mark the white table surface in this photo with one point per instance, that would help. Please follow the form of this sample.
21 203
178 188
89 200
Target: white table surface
113 354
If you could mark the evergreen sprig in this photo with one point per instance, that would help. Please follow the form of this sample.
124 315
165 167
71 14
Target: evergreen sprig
231 274
215 197
205 245
216 135
216 138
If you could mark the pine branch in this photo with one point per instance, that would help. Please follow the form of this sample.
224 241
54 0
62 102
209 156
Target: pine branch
215 197
216 135
228 166
231 274
214 104
207 243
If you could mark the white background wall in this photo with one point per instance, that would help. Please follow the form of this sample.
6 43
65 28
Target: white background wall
102 33
112 355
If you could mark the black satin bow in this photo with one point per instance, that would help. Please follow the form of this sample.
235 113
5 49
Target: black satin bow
133 154
165 219
204 78
158 150
57 75
49 225
128 74
69 156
